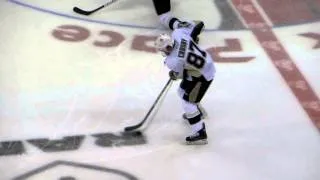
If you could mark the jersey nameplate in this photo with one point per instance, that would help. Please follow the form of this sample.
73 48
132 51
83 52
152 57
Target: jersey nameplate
182 48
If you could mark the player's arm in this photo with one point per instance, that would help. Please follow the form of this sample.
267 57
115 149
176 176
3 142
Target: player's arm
192 29
176 68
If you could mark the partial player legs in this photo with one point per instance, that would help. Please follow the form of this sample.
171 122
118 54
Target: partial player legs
163 10
162 6
192 91
193 115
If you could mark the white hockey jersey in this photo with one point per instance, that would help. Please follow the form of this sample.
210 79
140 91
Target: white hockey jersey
187 55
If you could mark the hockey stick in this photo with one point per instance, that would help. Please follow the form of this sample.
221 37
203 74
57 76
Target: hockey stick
137 126
87 13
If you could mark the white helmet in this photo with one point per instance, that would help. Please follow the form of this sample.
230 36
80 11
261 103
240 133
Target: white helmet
162 43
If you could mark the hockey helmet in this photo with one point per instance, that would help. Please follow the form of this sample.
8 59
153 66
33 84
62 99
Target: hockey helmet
164 43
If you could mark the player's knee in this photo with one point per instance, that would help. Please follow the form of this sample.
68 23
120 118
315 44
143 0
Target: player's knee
190 108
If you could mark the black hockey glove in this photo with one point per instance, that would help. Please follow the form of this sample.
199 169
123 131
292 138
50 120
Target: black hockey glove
173 75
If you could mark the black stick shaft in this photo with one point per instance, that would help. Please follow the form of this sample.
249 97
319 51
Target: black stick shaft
84 12
134 127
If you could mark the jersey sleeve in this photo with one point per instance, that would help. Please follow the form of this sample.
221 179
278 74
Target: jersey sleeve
175 64
177 33
185 27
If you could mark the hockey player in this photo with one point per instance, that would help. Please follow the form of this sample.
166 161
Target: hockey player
163 10
187 61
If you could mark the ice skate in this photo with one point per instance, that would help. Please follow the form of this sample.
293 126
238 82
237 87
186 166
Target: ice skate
198 138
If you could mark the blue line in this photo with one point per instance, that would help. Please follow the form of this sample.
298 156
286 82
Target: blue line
128 25
84 19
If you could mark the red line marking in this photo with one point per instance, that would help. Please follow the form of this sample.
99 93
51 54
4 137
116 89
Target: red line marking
288 11
281 59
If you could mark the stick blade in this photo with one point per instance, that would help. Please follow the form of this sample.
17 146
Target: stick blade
131 128
80 11
132 133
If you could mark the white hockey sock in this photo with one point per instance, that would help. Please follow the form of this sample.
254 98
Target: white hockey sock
165 19
197 126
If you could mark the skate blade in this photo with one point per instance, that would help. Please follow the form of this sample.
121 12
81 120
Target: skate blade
199 142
